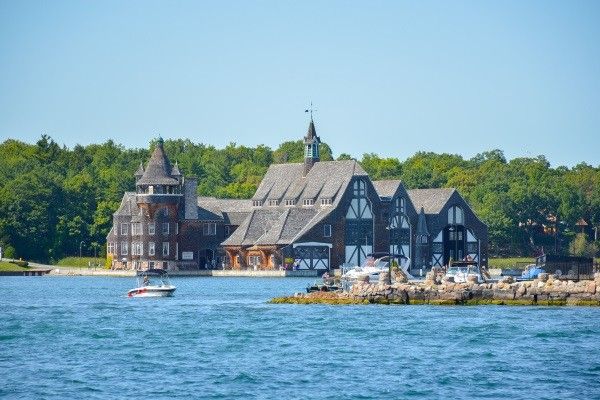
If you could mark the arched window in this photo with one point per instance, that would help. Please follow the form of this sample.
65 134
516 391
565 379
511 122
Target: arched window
456 216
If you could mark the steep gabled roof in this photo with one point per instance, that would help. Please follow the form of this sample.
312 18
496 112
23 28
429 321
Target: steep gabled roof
387 188
128 205
431 200
231 211
158 170
325 179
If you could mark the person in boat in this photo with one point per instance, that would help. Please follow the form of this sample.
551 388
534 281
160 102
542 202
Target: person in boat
146 280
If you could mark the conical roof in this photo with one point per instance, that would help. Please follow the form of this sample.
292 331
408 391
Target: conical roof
140 170
422 224
311 134
158 170
175 171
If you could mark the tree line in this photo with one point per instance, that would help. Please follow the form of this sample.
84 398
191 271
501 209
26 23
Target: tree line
56 201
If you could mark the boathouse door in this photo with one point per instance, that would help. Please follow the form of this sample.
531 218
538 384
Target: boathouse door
454 243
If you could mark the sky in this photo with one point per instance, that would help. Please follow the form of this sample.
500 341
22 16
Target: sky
386 77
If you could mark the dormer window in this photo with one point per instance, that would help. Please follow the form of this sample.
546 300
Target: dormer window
308 202
257 203
273 202
290 202
326 201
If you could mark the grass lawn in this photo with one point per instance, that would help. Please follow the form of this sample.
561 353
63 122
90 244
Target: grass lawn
509 262
6 266
81 262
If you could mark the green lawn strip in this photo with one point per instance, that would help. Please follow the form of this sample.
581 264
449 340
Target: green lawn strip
6 266
510 262
81 262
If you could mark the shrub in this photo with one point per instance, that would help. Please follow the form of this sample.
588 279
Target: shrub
20 263
108 262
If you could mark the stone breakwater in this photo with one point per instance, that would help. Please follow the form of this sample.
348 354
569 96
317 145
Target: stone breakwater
543 291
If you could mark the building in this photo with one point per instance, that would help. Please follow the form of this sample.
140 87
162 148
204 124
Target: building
324 214
313 215
164 224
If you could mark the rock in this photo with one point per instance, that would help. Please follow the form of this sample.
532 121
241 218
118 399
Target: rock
472 279
448 279
363 279
507 279
590 287
384 278
543 276
521 291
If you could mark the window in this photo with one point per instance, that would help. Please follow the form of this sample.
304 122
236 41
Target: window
290 202
400 205
137 249
151 228
422 240
359 188
165 249
256 203
254 260
327 230
124 228
111 248
227 231
326 202
308 202
151 249
209 229
166 212
273 202
165 228
136 229
455 216
150 264
177 228
124 248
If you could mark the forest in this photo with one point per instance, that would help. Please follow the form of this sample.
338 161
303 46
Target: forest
56 201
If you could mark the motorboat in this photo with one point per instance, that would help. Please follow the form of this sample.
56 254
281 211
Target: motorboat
373 265
152 283
461 270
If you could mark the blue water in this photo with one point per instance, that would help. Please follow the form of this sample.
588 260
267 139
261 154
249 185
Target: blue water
67 337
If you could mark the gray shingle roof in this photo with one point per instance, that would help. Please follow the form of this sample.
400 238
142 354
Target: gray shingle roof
231 211
128 205
422 223
325 179
387 188
158 170
281 225
432 200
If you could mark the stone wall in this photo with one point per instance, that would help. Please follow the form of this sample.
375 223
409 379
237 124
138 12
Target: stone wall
543 291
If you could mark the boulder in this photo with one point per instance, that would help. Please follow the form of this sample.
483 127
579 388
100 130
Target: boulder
543 276
384 278
507 279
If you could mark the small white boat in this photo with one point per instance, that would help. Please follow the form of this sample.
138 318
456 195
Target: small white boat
152 283
461 270
371 266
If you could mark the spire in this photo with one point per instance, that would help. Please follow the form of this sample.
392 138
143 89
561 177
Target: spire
311 147
175 171
422 224
140 171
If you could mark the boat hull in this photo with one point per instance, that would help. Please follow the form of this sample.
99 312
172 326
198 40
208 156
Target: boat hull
152 291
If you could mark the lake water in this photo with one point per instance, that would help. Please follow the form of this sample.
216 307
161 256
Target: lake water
67 337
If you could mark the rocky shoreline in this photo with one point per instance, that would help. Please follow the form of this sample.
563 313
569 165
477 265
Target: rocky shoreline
546 290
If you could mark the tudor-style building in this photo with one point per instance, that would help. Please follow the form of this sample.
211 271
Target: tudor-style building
324 214
316 215
163 224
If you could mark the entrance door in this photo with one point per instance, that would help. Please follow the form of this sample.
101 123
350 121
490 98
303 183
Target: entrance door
454 243
312 257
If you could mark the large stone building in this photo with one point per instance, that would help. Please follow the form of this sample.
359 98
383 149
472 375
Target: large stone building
314 215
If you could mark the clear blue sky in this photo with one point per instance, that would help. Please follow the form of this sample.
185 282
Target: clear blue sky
391 77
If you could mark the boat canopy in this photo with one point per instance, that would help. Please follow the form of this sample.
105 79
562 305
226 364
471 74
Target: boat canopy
152 272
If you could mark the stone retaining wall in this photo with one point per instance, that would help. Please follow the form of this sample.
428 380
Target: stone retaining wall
544 291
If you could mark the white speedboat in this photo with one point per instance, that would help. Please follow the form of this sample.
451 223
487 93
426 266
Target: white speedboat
152 283
461 270
371 266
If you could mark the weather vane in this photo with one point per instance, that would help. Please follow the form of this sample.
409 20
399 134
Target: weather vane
310 110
